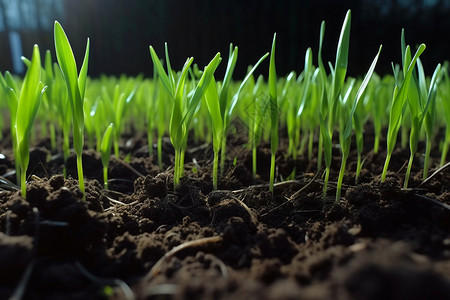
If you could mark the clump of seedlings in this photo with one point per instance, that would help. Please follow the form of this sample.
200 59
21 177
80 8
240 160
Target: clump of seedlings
312 107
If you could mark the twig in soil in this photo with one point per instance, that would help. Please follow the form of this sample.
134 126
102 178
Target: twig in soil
264 185
401 168
247 209
116 193
115 201
437 202
293 196
107 281
198 148
156 269
36 178
129 167
434 174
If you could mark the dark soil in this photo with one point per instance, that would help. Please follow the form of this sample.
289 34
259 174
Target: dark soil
143 239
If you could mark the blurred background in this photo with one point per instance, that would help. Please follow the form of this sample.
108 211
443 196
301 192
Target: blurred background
121 31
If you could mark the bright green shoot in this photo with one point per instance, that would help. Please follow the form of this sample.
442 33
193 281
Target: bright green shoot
212 102
76 86
105 150
430 113
445 100
273 113
258 110
11 91
27 106
347 123
339 72
333 93
120 104
399 96
184 103
60 95
227 106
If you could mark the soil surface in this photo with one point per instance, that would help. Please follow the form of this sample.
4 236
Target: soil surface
144 240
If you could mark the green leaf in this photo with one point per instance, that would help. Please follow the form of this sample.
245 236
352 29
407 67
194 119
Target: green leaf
362 88
327 144
162 74
29 98
212 102
340 67
398 101
199 90
247 77
223 93
66 61
272 72
105 148
82 77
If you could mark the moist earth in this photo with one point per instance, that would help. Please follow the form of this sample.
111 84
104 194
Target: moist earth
143 239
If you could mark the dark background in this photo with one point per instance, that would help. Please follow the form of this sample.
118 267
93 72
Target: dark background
121 31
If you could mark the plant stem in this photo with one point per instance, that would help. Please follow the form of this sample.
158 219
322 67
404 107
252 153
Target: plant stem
272 172
105 177
408 171
358 167
215 169
80 174
66 153
222 154
445 147
254 154
376 144
386 164
160 151
340 178
181 166
320 150
176 170
427 159
116 147
23 184
325 183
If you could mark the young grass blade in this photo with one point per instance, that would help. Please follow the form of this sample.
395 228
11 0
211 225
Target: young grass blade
223 93
340 67
168 84
212 102
27 106
345 139
328 146
76 85
105 150
273 113
397 105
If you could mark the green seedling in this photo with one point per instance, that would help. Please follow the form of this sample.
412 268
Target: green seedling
27 106
399 96
184 104
105 150
346 123
76 86
329 108
273 104
445 102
